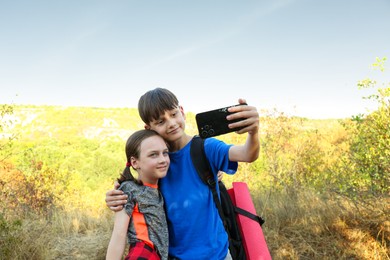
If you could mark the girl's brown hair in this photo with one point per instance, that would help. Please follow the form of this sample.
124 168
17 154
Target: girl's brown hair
133 149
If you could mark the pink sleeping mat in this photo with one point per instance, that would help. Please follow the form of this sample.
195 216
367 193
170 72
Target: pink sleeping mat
253 238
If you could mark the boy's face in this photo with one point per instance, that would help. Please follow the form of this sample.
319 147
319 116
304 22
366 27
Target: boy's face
170 125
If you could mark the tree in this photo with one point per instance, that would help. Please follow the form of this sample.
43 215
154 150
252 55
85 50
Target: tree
370 142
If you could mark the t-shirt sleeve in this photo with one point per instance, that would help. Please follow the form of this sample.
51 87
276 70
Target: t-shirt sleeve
217 153
129 206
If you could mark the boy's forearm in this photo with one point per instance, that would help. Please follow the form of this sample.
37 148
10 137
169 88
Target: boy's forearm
252 147
248 152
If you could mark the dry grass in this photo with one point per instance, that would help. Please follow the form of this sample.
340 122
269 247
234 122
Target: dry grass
304 226
67 235
298 226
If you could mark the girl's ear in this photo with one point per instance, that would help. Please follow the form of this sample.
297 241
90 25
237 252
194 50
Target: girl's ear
134 163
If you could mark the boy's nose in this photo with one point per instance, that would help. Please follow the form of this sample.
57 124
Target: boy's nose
171 122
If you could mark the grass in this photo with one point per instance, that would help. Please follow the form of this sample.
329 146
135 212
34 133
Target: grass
303 225
299 225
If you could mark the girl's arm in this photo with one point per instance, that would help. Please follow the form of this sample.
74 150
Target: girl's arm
117 243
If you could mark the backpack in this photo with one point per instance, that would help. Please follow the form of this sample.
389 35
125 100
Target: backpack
226 209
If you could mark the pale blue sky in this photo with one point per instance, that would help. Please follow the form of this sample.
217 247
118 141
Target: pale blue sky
302 57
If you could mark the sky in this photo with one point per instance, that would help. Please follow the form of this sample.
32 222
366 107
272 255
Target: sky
300 57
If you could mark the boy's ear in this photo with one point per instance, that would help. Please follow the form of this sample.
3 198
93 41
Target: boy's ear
147 127
182 112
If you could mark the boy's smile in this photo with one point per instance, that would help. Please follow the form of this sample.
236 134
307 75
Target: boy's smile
170 125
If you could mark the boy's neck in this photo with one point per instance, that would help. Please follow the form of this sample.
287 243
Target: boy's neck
179 143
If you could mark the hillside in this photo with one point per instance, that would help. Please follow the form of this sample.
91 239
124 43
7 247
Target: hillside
57 163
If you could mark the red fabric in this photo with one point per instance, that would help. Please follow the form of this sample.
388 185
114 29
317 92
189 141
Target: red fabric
253 238
141 251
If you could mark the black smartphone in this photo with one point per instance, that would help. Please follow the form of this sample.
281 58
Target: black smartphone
214 122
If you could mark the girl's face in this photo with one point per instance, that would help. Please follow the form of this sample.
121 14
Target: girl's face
153 161
170 125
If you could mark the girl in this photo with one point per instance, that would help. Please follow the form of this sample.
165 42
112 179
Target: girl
143 219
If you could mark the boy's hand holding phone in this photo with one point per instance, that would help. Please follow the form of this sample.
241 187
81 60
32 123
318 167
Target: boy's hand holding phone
239 118
248 115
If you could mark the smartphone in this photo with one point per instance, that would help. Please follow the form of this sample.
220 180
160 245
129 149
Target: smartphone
214 122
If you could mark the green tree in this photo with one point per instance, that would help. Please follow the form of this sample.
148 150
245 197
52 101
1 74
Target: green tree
291 151
370 142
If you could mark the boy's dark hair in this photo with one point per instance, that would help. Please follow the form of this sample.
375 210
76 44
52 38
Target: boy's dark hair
155 102
133 149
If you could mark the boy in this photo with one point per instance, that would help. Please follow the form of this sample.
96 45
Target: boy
195 227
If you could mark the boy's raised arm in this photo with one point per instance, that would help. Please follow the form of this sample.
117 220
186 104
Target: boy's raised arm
248 152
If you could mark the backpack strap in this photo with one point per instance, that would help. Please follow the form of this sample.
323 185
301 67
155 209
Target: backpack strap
199 159
250 215
202 166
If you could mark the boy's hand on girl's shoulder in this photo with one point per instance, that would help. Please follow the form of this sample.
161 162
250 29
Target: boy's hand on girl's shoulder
220 175
115 199
249 116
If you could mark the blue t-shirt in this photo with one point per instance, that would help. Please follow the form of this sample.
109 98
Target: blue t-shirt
195 228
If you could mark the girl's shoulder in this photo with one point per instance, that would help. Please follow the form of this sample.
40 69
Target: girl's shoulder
128 186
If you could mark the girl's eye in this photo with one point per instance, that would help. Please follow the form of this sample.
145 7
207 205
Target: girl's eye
153 154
